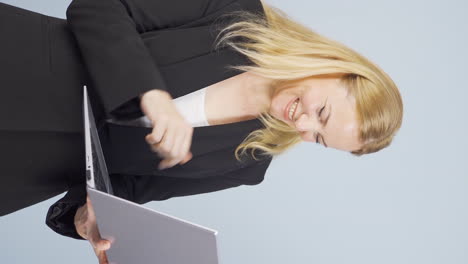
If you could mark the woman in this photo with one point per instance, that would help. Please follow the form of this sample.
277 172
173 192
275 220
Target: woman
272 85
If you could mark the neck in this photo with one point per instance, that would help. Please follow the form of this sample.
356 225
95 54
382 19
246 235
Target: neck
259 92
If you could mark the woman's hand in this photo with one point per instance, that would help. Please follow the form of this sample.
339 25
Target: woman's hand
172 135
85 224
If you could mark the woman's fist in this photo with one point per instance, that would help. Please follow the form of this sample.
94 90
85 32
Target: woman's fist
172 134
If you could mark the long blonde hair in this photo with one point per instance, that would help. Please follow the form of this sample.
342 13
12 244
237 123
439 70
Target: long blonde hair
286 51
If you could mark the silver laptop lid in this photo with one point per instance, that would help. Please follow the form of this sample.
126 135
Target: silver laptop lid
97 176
140 235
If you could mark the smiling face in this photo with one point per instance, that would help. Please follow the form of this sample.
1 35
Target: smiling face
325 113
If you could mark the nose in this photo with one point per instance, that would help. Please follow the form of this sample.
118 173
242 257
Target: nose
306 122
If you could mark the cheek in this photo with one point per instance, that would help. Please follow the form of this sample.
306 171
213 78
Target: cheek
310 104
313 98
280 100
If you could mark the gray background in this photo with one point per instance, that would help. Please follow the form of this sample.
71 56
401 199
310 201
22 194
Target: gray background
405 204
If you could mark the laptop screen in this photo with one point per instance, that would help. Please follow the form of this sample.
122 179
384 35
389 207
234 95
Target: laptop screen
97 176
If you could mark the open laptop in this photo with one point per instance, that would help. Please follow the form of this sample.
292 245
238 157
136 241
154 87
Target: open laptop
139 234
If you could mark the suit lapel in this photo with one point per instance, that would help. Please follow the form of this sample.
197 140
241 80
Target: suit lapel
212 138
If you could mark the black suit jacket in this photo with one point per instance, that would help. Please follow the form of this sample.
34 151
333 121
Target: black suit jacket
133 46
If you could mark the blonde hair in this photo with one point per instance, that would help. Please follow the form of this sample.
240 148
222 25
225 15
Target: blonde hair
286 51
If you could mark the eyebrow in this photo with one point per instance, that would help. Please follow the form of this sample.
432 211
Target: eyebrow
324 125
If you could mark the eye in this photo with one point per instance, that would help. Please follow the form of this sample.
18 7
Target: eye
321 109
320 112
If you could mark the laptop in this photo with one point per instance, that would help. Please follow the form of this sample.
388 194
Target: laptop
139 234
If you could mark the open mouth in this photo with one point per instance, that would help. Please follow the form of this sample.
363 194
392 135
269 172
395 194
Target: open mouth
291 110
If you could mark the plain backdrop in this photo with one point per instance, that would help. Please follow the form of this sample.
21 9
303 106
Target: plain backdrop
407 204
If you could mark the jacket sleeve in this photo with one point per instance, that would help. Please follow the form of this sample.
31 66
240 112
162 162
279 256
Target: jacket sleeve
142 189
60 216
108 32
